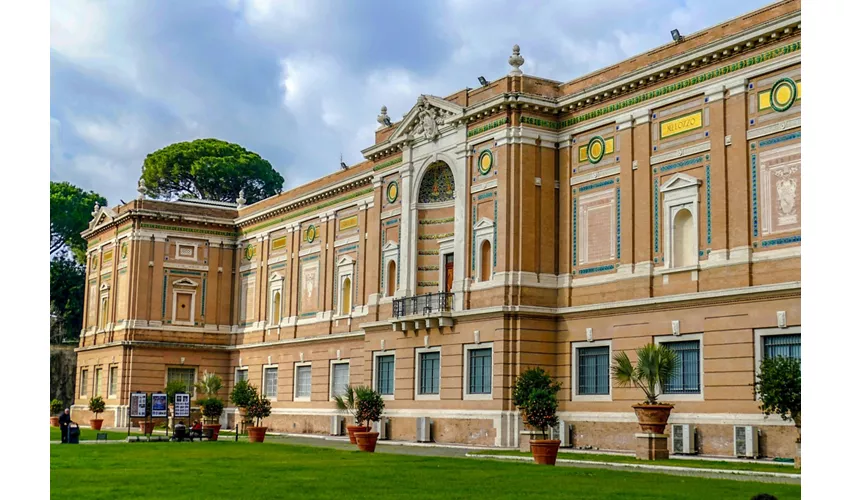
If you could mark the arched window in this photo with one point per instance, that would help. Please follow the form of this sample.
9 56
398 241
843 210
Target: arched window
346 296
104 310
486 260
391 278
276 311
684 239
438 184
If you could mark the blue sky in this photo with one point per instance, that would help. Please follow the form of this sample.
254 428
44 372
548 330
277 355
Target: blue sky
301 82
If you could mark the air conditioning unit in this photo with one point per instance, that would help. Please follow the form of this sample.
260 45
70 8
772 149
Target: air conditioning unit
564 432
423 429
683 439
336 425
381 428
746 441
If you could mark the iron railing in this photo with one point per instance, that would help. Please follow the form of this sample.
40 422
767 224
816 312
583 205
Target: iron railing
422 304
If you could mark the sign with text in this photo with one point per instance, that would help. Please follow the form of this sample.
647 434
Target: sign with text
138 405
681 124
159 405
181 405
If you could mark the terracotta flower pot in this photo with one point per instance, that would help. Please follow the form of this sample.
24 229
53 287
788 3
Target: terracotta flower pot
653 418
146 427
366 441
256 434
215 428
54 421
352 429
545 451
96 423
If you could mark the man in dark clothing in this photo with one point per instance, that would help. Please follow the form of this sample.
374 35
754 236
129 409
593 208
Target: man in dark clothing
64 423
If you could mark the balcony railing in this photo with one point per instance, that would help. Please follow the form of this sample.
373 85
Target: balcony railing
422 304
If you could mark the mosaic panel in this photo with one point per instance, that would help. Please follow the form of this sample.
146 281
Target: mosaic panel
438 184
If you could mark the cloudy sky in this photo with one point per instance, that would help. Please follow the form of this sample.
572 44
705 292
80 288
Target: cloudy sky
301 81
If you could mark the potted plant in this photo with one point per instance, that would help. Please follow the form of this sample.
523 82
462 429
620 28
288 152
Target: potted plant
368 408
536 396
347 402
97 406
258 409
778 387
655 365
241 396
211 406
55 409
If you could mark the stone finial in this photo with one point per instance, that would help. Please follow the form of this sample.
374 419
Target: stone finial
96 209
516 61
240 201
383 118
142 189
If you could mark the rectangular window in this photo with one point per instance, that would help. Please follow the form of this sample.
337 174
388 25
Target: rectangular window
241 374
685 379
84 383
429 373
480 373
782 345
339 378
303 381
593 370
185 375
113 381
385 366
270 382
97 379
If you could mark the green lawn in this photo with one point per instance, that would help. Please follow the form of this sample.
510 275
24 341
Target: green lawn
87 434
242 470
626 459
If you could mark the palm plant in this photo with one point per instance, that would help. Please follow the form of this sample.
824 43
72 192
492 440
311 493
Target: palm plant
347 402
209 385
656 364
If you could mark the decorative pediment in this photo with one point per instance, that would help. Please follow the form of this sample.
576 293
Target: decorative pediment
104 287
101 216
275 277
483 223
679 181
185 282
345 261
389 246
425 119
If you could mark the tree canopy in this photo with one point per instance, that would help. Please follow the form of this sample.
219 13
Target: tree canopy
67 296
209 169
70 213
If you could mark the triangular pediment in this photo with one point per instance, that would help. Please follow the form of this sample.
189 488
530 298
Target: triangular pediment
185 282
390 245
345 261
101 216
426 118
679 181
483 223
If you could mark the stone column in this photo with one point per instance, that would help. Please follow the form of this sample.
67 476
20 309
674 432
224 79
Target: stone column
407 232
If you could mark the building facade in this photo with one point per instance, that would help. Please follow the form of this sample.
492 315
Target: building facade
525 223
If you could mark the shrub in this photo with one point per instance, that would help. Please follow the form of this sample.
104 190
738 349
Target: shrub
258 409
55 406
243 393
536 396
347 402
209 385
211 409
97 406
173 388
656 364
369 406
779 389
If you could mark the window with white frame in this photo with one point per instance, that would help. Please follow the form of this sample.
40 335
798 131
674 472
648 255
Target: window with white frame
339 377
303 381
681 221
104 306
390 268
345 280
384 366
270 382
776 342
241 374
98 378
275 299
185 375
113 381
482 233
591 371
478 372
84 383
428 372
686 380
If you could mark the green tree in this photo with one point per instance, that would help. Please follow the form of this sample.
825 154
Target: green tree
209 169
67 297
779 388
70 213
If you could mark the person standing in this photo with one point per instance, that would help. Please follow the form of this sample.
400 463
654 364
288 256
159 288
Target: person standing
64 424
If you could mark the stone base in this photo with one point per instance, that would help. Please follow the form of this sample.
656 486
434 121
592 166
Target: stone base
525 438
797 456
651 446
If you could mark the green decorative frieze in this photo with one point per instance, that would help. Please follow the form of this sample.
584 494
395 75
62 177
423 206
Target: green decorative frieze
125 228
436 221
429 252
427 283
541 123
437 236
181 229
307 211
428 268
485 128
386 164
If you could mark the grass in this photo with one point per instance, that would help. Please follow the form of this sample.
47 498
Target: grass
87 434
241 470
626 459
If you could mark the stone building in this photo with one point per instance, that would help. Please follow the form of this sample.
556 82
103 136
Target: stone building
527 222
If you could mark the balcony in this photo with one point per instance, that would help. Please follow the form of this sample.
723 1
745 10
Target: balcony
423 311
